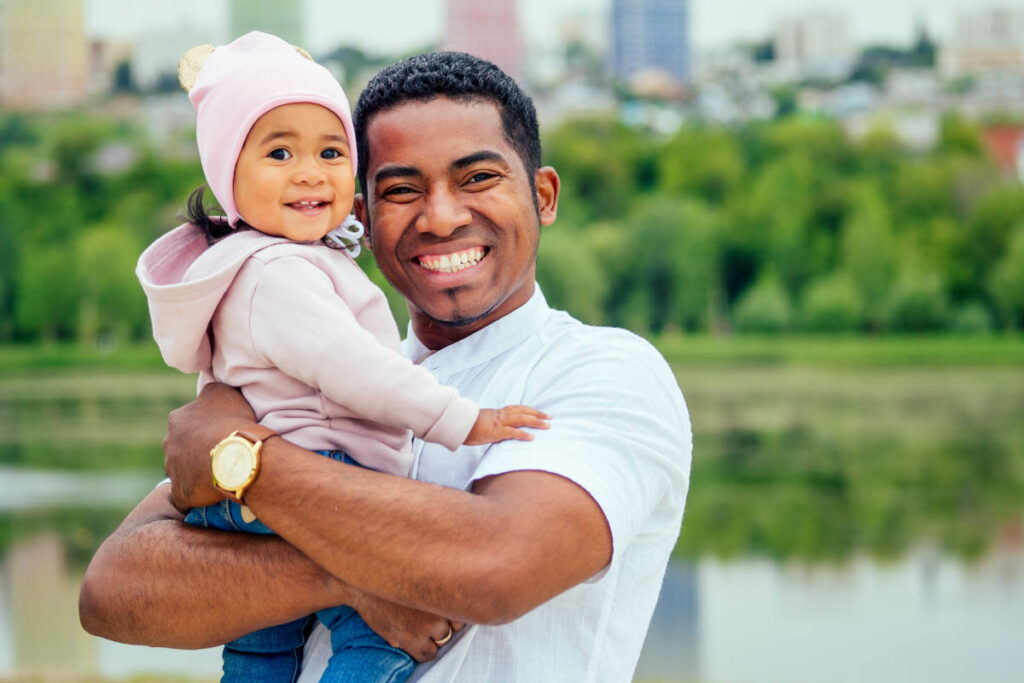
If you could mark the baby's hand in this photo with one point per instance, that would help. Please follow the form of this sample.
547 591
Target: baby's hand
498 425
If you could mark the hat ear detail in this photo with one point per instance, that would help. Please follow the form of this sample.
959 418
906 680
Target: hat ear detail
190 64
304 53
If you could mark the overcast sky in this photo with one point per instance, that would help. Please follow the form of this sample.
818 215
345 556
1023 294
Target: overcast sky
402 25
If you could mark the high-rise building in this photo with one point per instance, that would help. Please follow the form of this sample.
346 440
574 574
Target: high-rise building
986 41
44 54
487 29
283 18
815 45
651 36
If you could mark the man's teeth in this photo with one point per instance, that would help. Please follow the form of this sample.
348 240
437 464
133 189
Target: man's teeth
453 263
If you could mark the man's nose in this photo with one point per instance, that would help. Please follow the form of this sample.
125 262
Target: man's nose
443 212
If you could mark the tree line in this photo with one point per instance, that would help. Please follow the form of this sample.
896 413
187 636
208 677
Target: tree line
784 226
772 227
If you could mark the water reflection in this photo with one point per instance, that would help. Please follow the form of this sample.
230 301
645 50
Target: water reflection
842 526
927 617
39 629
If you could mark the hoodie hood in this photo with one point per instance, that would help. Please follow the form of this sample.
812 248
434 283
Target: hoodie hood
184 280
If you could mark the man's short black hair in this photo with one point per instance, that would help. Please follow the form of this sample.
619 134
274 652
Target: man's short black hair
461 77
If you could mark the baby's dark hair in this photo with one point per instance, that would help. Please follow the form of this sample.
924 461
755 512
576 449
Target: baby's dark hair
461 77
215 227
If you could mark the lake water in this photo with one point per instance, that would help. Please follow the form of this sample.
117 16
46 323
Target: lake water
842 526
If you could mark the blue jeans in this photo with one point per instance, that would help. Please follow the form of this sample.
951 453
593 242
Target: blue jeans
274 654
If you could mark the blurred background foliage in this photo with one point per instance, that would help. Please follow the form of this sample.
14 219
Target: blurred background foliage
783 226
769 228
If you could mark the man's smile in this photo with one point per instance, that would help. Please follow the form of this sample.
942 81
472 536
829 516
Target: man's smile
453 262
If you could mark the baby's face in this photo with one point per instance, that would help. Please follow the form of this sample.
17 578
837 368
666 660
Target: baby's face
294 176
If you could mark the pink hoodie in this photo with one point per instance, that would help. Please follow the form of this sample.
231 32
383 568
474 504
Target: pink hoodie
305 335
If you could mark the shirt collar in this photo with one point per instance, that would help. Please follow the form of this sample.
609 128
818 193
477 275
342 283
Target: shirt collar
480 347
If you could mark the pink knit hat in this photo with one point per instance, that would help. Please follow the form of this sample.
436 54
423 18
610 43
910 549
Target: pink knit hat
240 82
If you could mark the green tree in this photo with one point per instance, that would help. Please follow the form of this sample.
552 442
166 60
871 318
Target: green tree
701 162
832 304
569 271
1006 282
604 165
46 303
111 303
917 303
984 240
957 134
670 250
764 308
869 253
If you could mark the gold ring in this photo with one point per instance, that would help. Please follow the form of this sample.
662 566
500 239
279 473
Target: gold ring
444 640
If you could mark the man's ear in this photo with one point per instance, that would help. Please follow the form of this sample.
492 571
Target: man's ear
548 184
359 208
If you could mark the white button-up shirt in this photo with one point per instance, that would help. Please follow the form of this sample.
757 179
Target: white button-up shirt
620 430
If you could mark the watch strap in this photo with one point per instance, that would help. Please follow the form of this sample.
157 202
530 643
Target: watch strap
256 433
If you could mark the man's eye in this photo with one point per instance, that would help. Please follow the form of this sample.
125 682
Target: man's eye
280 154
331 153
481 176
399 193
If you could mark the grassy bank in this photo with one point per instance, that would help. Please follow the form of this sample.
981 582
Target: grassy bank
17 358
837 351
679 350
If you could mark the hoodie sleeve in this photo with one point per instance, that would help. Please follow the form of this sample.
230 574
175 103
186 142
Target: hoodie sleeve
302 326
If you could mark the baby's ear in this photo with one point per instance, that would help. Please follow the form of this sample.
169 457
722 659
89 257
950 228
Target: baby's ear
190 64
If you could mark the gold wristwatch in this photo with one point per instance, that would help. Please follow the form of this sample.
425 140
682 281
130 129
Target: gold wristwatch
235 461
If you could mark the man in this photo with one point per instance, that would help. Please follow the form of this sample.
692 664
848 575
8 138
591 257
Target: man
552 550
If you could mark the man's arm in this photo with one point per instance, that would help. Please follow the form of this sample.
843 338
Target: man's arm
168 575
488 556
159 582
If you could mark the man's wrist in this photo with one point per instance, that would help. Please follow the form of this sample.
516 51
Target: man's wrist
236 460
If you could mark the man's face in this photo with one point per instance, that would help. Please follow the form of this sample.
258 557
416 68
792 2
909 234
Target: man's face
454 221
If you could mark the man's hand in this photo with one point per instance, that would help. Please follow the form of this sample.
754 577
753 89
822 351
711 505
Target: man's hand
406 628
192 431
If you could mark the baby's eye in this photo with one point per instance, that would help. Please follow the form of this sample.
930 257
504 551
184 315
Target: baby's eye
280 154
331 153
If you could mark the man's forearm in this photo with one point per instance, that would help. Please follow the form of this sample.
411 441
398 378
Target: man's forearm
483 557
160 582
487 556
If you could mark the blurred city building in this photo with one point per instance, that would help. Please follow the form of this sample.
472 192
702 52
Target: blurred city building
110 66
732 87
985 41
44 54
650 46
487 30
283 18
154 64
815 46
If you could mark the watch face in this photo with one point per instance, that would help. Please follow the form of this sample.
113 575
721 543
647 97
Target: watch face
233 463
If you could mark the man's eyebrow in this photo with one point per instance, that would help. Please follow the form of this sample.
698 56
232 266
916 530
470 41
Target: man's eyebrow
476 157
396 172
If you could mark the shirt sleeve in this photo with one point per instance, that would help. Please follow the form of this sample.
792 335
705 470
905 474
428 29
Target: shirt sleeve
300 325
619 429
